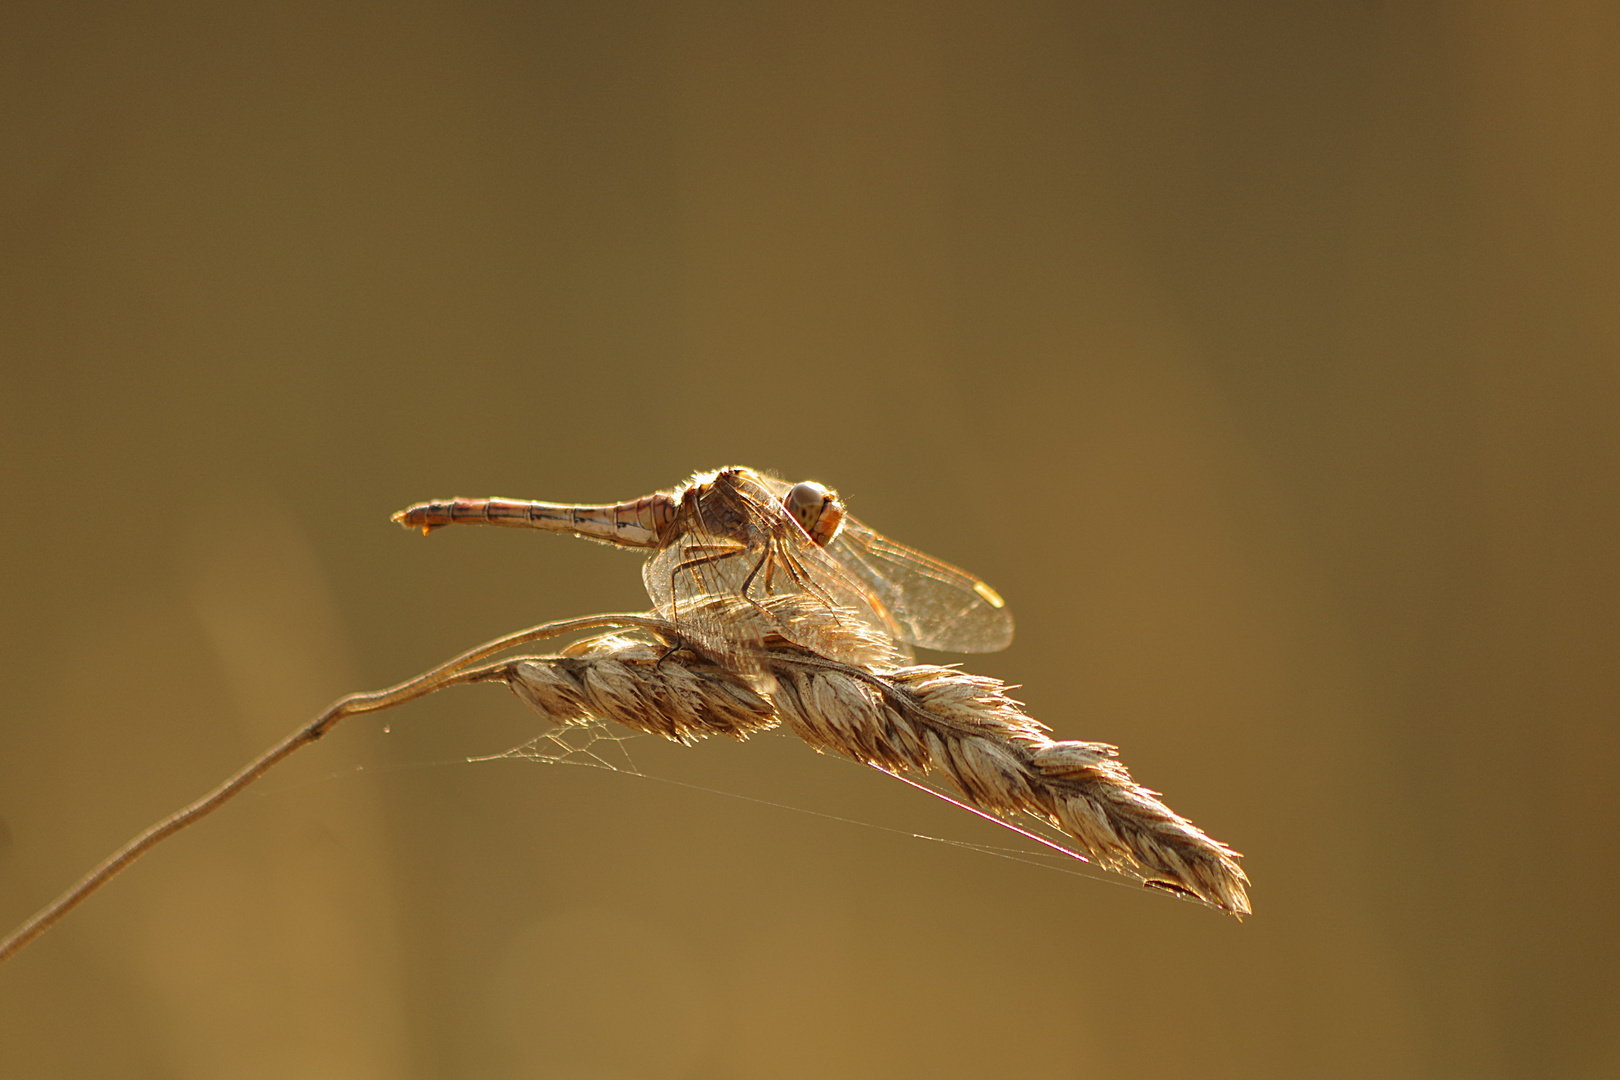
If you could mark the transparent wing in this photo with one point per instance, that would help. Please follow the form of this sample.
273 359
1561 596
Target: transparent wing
742 548
933 604
701 598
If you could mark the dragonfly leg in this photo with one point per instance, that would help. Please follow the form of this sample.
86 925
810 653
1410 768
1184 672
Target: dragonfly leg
705 555
804 581
748 581
713 553
767 562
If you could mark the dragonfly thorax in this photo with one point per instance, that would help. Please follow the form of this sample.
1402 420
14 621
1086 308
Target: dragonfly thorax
817 509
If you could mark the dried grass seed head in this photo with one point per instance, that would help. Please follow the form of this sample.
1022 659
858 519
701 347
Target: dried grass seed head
918 719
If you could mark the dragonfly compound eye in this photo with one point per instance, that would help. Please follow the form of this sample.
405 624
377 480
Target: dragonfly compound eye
816 509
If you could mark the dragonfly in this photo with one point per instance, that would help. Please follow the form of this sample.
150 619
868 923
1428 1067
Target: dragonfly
738 534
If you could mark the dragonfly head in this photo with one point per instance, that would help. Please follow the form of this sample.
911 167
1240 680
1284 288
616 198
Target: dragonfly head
816 509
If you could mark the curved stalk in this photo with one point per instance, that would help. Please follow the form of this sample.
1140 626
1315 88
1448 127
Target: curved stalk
449 673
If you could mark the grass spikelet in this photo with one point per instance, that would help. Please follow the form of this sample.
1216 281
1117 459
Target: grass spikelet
682 698
1001 761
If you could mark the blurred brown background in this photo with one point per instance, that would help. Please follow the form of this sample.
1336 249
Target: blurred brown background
1262 355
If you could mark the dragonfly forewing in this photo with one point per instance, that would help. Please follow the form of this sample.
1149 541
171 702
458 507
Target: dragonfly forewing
934 604
927 602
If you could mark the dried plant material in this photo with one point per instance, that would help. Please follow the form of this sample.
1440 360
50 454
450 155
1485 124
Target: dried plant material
965 727
622 679
451 673
918 719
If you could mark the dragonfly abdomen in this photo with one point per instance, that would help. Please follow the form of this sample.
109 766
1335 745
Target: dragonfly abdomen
640 523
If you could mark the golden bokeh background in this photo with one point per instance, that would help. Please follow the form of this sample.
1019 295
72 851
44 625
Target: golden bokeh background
1264 356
